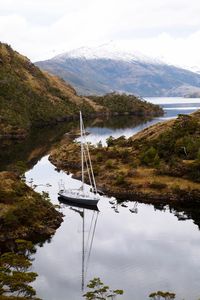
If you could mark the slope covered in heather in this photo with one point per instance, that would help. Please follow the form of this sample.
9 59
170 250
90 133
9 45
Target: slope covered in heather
30 97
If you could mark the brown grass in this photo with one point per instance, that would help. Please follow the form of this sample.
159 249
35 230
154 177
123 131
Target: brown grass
153 131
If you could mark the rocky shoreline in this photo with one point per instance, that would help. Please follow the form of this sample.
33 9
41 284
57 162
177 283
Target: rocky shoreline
184 197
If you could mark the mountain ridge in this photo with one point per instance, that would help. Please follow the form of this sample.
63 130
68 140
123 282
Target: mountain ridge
100 71
107 52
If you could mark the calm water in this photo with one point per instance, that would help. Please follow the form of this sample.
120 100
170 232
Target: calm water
140 253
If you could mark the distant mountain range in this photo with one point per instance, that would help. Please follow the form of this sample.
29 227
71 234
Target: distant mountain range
102 70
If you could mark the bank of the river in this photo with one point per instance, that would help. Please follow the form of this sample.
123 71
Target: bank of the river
159 165
23 212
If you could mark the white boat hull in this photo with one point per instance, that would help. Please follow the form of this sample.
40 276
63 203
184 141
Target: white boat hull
85 201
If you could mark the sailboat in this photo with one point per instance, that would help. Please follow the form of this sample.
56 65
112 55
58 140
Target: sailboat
82 195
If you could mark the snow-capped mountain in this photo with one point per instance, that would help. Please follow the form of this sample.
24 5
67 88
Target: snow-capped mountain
106 68
194 69
107 51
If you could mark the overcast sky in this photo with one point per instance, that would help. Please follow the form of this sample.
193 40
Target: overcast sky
40 29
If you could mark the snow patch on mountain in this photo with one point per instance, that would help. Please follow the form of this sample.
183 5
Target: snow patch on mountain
107 51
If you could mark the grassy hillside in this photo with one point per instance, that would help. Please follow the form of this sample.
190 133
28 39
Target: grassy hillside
161 162
173 147
30 97
23 212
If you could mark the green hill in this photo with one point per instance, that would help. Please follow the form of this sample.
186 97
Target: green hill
30 97
173 147
127 104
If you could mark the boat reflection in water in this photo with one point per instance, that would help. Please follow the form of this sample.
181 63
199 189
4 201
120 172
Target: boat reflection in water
87 241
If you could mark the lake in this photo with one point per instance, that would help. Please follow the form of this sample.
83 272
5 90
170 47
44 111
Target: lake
140 253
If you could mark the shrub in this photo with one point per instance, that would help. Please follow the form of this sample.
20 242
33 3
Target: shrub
96 170
99 157
157 185
109 164
125 155
150 157
187 147
194 171
175 188
110 141
120 180
10 219
198 155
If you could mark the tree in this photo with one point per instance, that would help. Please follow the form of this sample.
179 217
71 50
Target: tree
159 295
100 291
110 141
15 277
150 157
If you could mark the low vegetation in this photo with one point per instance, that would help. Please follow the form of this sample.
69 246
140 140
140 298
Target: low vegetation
23 212
175 151
127 104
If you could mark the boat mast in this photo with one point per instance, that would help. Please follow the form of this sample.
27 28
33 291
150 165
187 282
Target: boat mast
83 253
93 183
82 158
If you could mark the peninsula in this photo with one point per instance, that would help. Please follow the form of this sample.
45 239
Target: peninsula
159 164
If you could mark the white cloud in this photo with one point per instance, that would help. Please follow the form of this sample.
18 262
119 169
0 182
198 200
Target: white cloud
183 51
41 29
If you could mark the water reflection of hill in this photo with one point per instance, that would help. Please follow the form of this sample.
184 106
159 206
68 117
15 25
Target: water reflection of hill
118 122
183 212
24 154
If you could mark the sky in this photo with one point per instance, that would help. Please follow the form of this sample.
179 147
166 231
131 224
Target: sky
166 29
